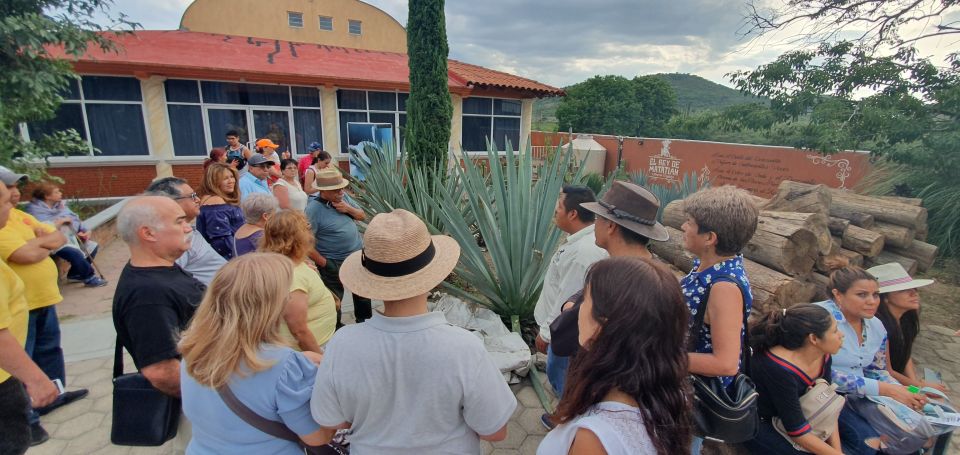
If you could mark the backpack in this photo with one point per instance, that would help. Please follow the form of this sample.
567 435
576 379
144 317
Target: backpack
821 405
237 155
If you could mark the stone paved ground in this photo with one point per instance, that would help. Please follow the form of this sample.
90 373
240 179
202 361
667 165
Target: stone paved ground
84 427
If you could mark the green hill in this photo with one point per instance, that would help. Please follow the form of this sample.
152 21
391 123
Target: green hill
695 93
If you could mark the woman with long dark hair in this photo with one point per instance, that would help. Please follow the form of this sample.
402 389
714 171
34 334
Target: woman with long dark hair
627 388
792 348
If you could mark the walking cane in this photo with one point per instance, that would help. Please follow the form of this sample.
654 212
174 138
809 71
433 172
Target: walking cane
83 249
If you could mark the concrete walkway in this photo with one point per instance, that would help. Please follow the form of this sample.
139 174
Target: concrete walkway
88 342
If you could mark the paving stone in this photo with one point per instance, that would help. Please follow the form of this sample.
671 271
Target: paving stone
529 446
515 437
530 421
939 329
81 425
79 368
92 378
103 389
51 447
88 441
486 448
69 412
112 450
504 452
103 404
528 397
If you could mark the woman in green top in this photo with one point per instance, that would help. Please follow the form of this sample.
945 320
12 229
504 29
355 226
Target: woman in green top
310 315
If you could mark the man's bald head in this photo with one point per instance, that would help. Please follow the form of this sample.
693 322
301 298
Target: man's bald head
154 227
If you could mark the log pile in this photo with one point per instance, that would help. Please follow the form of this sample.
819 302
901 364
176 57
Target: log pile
802 227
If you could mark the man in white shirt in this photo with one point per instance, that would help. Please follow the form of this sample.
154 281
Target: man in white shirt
566 272
201 260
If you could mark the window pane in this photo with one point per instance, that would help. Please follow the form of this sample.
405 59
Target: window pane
223 120
306 96
273 125
346 117
294 19
403 132
69 115
326 23
354 27
506 107
382 101
256 94
186 127
309 128
506 129
476 106
382 117
352 99
181 91
475 133
71 91
402 99
110 88
117 129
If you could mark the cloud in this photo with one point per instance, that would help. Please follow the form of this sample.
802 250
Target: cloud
566 41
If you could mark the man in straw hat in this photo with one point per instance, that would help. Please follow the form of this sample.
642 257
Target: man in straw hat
626 223
333 216
406 381
565 274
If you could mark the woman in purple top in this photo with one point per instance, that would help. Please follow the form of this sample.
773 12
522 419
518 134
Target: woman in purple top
220 214
257 209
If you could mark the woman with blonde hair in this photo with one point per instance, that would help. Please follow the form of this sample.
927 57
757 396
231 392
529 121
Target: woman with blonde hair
220 213
249 359
310 316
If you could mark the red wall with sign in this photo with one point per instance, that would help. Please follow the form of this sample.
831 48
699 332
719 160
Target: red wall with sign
757 168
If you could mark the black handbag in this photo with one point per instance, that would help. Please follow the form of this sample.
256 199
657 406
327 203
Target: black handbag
724 414
142 415
274 428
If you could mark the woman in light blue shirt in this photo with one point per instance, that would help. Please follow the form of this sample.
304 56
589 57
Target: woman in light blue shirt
860 368
234 342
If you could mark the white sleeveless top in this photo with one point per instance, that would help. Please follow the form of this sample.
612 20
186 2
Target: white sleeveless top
618 426
298 198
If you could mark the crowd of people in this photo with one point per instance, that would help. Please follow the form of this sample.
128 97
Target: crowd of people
231 301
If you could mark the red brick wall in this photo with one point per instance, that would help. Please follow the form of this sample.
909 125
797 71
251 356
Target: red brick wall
192 173
104 181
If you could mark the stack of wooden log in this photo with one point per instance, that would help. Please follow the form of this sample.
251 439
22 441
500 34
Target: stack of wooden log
803 227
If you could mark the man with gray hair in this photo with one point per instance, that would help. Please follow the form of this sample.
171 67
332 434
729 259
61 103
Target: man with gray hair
201 260
155 298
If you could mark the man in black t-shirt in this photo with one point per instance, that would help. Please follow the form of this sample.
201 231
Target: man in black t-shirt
155 298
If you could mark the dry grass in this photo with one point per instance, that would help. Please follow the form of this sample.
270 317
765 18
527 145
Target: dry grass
941 300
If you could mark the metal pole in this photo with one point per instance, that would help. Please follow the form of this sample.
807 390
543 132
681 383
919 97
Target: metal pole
83 249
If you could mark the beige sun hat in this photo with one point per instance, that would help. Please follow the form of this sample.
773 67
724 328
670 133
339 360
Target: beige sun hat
329 178
893 277
400 259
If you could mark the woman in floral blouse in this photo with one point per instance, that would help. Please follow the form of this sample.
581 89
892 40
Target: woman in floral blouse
720 222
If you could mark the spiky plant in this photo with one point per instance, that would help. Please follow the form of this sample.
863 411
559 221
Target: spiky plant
670 192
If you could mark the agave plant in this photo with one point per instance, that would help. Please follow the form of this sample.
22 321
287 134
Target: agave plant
669 192
514 215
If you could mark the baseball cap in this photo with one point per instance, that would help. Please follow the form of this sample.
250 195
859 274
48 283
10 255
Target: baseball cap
266 143
9 177
258 159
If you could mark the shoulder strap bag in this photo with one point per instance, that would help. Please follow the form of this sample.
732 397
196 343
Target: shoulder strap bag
142 415
274 428
821 405
724 414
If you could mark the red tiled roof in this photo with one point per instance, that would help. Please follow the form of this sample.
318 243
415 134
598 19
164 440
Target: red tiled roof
177 53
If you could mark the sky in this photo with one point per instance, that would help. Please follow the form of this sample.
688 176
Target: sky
562 42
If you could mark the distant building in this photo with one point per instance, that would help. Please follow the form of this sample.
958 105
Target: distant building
265 69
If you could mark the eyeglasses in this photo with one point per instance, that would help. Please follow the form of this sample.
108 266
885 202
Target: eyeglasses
189 196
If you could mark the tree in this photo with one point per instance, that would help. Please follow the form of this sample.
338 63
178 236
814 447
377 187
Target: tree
31 80
428 108
617 105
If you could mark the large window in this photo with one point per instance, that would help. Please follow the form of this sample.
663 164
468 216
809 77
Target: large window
373 107
202 112
106 111
490 119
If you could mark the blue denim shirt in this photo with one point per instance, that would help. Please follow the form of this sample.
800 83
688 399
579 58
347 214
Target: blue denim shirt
859 369
250 185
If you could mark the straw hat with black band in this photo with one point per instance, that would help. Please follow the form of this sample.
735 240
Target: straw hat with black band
893 277
328 179
632 207
399 259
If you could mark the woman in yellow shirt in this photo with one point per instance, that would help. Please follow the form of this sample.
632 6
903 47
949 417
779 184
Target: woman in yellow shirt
310 316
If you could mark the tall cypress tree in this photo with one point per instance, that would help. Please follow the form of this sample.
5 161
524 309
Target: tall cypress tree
428 108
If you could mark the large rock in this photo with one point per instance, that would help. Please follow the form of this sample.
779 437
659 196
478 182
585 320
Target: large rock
508 350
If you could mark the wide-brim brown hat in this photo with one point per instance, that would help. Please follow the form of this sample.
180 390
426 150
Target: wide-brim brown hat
892 277
633 207
400 259
330 178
